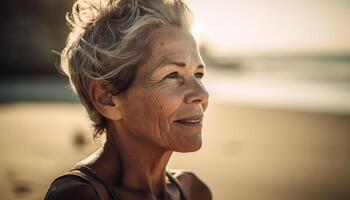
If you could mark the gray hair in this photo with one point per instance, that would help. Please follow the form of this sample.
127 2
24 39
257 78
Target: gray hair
109 39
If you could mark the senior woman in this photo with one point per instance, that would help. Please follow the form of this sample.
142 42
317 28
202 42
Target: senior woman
137 71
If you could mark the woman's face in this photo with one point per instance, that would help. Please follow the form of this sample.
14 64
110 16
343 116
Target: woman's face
166 102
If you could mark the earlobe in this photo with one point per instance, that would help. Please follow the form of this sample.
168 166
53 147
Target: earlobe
104 102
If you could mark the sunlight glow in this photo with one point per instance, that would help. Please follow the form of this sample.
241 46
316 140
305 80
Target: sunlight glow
197 31
273 26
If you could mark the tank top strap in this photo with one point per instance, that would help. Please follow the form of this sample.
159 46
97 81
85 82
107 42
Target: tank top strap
88 179
173 180
98 178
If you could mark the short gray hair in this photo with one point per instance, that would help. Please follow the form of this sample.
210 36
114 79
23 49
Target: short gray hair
109 39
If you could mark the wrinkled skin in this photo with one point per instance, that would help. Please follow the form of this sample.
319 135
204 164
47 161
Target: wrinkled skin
159 96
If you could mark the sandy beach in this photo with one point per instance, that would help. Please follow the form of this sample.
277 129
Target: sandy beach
248 152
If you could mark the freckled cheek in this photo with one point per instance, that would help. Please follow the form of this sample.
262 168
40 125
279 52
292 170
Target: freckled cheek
169 102
160 112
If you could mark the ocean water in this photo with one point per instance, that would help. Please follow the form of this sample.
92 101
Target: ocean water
307 84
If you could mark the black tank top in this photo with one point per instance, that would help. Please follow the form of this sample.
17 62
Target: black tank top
90 175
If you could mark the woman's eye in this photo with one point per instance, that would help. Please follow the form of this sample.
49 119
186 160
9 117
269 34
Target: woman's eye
199 75
172 75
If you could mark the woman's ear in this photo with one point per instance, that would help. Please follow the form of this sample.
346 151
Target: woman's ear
104 102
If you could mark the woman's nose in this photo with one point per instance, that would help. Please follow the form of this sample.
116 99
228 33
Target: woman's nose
197 93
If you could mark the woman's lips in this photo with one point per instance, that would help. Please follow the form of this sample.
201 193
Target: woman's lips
195 120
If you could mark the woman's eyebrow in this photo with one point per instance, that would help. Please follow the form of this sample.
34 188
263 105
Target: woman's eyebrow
182 64
178 64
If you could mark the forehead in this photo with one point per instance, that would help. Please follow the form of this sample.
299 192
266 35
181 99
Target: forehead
171 44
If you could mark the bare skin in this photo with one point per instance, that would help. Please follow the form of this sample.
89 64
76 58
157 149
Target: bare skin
143 128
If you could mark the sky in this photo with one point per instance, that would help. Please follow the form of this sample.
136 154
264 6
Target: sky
246 27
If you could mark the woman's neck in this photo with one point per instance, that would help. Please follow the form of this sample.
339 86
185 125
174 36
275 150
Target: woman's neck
133 164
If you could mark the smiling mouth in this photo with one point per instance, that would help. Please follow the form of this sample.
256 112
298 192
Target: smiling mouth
191 121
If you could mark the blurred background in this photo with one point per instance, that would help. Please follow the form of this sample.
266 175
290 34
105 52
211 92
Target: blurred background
278 123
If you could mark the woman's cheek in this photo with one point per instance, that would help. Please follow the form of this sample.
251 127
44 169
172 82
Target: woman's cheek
168 107
163 100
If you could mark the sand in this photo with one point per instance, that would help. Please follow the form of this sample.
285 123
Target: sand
248 152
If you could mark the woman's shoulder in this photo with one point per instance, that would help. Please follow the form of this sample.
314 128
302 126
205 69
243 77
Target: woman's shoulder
192 185
69 188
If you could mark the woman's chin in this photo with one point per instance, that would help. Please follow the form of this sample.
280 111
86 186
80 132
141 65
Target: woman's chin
194 145
192 148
